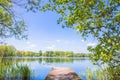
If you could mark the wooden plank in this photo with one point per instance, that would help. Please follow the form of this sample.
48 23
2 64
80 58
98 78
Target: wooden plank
62 73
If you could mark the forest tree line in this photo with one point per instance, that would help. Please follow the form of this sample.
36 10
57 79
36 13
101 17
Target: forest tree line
9 50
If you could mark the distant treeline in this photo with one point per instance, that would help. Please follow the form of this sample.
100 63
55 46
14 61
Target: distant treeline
9 50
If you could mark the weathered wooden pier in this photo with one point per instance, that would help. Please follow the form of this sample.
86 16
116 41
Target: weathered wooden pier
62 73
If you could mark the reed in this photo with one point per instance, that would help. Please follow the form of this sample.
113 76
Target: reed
16 72
103 74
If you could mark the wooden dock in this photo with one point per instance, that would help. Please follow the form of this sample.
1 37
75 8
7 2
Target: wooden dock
62 73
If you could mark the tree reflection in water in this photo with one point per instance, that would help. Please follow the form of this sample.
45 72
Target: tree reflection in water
13 69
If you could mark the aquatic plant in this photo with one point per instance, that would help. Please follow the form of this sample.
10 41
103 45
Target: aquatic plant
16 72
103 74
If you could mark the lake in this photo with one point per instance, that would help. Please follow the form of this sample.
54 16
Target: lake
40 67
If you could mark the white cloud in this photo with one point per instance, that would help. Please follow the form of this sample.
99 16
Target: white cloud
51 47
68 42
83 40
27 42
58 41
91 44
32 45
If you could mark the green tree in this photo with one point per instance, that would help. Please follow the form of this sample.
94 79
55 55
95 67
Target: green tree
69 54
40 53
11 25
2 48
99 18
7 50
10 50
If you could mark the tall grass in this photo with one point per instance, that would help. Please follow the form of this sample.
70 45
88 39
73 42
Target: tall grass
97 74
16 72
103 74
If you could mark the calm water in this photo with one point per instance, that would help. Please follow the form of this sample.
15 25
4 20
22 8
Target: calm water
40 67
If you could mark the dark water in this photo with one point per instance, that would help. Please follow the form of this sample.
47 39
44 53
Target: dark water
40 67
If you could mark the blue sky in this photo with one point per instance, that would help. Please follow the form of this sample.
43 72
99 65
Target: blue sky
45 34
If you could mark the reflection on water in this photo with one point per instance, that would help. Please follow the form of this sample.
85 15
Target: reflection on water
38 68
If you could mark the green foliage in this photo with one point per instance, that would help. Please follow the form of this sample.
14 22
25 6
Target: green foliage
103 74
100 18
15 72
64 54
7 50
40 53
97 74
11 24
